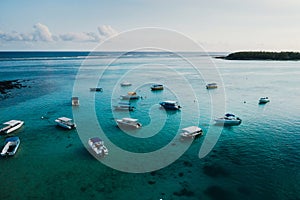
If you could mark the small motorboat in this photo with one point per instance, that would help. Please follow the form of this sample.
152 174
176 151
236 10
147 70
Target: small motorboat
129 123
157 87
228 120
191 132
96 89
11 126
126 84
211 86
75 101
130 96
263 100
97 146
124 106
65 122
11 146
170 105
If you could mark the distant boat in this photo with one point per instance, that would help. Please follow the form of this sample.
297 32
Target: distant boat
124 106
211 86
96 89
191 132
157 87
65 122
126 84
130 96
129 123
97 146
12 125
75 101
228 120
264 100
11 146
170 105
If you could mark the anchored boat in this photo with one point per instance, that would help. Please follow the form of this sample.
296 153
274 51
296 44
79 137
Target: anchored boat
11 146
11 126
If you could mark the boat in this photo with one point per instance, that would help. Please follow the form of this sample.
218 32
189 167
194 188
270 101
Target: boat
170 105
11 146
211 86
228 120
157 87
126 84
65 122
124 106
264 100
130 96
96 89
191 132
129 123
75 101
11 126
97 146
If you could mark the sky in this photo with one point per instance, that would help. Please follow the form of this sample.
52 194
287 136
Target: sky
215 25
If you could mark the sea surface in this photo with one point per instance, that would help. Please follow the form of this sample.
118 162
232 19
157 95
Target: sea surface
259 159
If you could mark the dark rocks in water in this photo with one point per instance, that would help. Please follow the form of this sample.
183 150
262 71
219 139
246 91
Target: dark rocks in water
215 171
218 193
153 173
180 174
151 182
9 85
187 164
184 192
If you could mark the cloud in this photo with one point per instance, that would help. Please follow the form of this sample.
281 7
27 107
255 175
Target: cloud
106 31
80 37
41 33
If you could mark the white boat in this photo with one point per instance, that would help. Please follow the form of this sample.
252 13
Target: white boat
11 146
124 106
126 84
211 86
157 87
263 100
170 105
97 146
228 120
65 122
12 125
129 123
75 101
130 96
191 132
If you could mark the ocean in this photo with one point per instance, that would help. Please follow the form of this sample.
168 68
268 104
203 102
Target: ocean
259 159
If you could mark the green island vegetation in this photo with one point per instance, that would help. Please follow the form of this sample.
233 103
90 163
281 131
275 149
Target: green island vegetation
262 55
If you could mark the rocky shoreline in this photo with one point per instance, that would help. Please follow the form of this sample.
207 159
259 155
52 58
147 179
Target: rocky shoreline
8 85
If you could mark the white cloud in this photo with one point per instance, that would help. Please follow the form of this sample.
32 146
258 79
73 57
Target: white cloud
80 37
41 33
106 31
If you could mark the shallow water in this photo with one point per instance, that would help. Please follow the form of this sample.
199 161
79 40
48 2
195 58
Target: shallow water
258 159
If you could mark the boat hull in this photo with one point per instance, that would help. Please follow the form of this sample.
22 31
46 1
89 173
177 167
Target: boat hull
12 129
223 122
11 146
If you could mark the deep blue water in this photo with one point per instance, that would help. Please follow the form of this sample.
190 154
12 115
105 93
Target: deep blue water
259 159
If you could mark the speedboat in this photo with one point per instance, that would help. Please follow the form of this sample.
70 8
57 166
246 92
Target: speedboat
130 96
129 123
228 120
124 106
170 105
12 125
65 122
211 86
191 132
126 84
97 146
263 100
157 87
96 89
75 101
11 146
